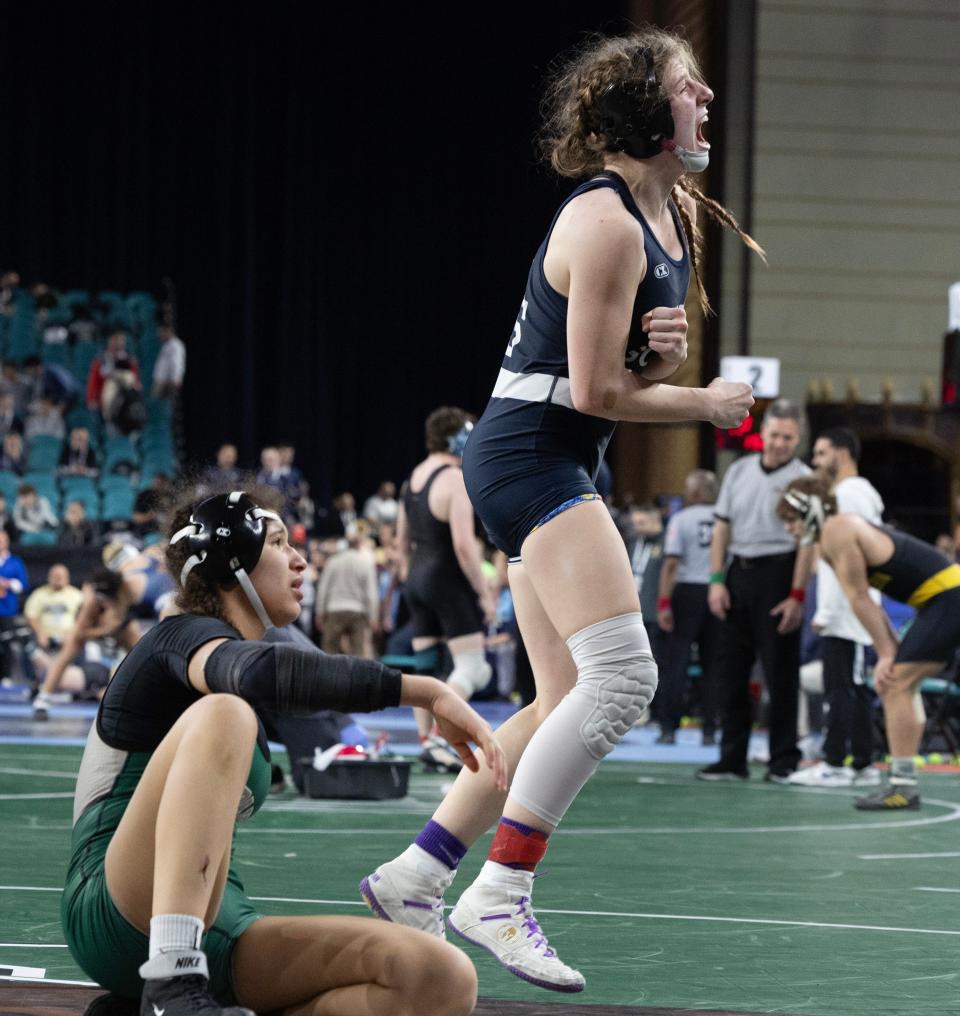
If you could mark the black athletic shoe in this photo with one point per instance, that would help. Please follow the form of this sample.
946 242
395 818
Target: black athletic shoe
720 771
667 737
113 1005
892 797
439 757
774 776
183 996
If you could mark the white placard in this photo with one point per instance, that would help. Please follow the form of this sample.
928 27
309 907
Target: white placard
16 972
763 372
953 304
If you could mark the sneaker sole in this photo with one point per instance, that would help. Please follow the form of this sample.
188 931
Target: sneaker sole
567 989
912 806
371 901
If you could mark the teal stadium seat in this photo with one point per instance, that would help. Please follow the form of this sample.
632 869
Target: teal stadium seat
9 484
45 538
45 484
83 489
117 450
118 504
43 453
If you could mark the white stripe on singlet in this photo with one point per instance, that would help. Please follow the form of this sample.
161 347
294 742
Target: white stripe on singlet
533 388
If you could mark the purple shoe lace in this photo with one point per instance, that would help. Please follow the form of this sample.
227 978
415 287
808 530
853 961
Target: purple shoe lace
534 930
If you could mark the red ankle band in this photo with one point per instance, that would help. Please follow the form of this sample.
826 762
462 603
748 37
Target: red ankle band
516 849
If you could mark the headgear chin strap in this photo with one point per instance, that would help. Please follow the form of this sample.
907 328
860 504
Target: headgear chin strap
457 442
810 508
225 536
692 162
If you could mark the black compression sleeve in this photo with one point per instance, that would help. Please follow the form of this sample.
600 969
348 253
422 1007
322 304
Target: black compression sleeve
292 680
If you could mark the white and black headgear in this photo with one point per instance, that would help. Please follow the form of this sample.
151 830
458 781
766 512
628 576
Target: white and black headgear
811 510
225 537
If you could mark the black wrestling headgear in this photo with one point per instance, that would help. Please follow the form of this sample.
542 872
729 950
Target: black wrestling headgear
225 537
634 115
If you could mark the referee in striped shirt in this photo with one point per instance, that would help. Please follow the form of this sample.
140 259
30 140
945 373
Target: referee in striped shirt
757 587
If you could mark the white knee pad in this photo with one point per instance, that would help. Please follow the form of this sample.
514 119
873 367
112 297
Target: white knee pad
616 671
616 679
471 672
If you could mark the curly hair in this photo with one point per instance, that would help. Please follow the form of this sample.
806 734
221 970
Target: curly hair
442 424
199 596
574 149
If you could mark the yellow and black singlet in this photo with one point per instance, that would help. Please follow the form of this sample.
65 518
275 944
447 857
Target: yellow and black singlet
916 572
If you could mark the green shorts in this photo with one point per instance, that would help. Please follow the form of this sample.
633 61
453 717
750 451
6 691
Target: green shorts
110 950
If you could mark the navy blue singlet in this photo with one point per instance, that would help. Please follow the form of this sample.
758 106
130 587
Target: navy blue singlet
531 452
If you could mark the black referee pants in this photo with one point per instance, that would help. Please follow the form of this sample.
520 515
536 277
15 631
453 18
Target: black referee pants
692 622
850 723
756 586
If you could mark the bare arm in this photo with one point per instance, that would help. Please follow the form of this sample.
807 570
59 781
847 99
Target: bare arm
463 534
403 544
844 555
718 596
606 264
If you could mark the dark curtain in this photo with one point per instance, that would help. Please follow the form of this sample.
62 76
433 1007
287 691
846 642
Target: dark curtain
347 204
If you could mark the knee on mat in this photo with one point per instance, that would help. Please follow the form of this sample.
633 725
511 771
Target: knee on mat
438 980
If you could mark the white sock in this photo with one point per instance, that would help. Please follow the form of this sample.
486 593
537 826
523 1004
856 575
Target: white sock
174 933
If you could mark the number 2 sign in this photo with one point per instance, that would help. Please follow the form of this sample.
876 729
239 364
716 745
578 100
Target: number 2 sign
763 372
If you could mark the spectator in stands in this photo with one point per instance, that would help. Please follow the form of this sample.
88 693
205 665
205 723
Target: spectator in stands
124 411
947 546
104 365
306 509
13 583
12 459
645 548
45 420
6 521
78 457
291 481
345 511
170 366
151 506
269 474
77 530
51 612
12 384
225 473
32 512
49 381
382 506
10 419
83 328
348 601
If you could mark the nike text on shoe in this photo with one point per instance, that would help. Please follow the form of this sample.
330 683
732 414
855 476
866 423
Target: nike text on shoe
892 797
408 892
497 916
821 775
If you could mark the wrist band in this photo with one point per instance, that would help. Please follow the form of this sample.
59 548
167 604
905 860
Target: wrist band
664 603
799 595
718 576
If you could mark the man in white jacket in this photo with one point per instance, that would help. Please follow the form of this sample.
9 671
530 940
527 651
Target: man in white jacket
836 453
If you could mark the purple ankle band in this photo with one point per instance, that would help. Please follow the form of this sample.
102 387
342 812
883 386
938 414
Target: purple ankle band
525 829
441 844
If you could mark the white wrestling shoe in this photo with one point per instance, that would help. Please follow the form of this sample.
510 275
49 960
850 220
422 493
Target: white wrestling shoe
495 913
821 775
409 890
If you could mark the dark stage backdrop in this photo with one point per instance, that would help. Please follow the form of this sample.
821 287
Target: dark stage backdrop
346 204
